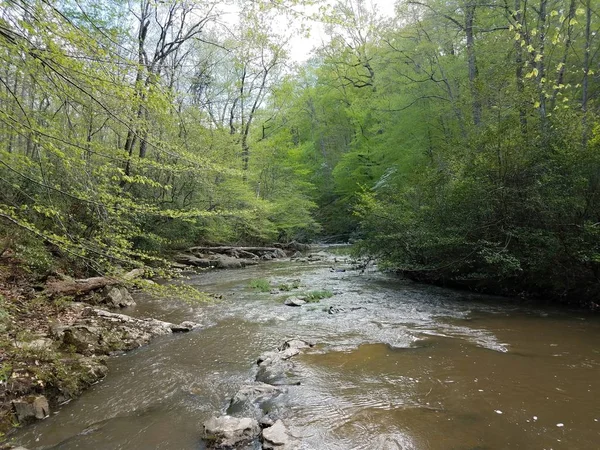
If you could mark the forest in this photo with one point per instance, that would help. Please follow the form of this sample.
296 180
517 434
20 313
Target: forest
456 142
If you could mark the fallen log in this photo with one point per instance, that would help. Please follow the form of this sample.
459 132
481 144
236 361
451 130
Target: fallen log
225 249
69 287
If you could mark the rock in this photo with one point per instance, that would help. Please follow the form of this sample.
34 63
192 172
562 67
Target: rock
334 310
229 432
283 354
294 301
296 255
227 262
39 344
28 408
99 331
275 372
191 260
133 274
278 253
276 436
296 344
267 256
117 297
184 327
81 338
252 395
266 421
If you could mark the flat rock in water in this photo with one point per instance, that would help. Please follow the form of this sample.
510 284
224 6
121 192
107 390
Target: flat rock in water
294 301
228 432
275 372
250 396
276 437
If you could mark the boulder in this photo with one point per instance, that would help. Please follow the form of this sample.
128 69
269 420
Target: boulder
278 253
228 432
227 262
276 437
99 331
294 301
284 354
28 408
117 297
252 396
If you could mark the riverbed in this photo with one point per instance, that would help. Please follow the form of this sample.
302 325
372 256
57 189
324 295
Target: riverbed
396 365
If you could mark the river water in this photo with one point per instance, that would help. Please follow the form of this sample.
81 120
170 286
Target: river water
397 365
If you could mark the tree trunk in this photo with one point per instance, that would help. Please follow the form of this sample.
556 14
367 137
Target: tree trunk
472 62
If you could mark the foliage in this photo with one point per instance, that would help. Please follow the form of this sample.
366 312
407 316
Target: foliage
260 285
459 142
316 296
106 158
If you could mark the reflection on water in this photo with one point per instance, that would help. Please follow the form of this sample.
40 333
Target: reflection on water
398 366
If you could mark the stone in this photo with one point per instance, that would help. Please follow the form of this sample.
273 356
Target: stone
266 421
227 262
99 331
296 344
28 408
278 253
334 310
251 394
276 436
228 432
294 301
184 327
39 344
276 372
117 297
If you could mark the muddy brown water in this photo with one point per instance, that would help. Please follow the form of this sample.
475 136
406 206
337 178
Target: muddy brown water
399 366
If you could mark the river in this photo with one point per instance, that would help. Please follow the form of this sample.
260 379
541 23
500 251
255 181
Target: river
397 365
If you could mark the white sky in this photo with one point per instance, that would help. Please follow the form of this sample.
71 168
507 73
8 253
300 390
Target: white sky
301 47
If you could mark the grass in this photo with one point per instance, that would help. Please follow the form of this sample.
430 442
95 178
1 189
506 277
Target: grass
260 285
316 296
284 287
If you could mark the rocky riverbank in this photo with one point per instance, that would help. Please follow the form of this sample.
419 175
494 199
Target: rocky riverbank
57 333
53 347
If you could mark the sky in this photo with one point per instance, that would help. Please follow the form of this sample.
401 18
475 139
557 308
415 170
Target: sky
301 46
